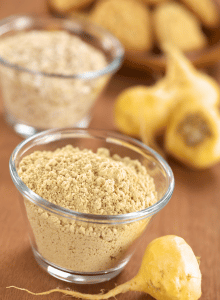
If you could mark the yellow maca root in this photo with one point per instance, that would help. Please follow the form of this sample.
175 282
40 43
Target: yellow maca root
193 134
146 112
169 271
183 77
127 109
155 113
172 270
193 131
143 111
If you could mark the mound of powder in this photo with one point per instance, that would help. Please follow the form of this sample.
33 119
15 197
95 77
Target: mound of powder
89 182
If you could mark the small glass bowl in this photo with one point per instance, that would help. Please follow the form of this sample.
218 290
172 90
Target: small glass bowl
79 247
35 101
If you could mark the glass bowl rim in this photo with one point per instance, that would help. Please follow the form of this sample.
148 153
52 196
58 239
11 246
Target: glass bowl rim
93 218
111 67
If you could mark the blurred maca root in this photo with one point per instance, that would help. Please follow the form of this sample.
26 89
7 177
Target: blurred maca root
146 112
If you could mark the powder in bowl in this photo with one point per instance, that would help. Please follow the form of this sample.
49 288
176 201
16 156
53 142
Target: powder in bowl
44 101
87 182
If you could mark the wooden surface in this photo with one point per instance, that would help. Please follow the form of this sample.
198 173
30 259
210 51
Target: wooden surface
193 212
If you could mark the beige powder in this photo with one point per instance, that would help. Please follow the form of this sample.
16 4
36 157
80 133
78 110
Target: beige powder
94 183
43 101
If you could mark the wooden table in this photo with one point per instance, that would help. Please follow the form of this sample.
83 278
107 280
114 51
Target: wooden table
193 212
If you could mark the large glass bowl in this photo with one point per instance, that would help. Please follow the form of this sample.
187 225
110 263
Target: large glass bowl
79 247
35 101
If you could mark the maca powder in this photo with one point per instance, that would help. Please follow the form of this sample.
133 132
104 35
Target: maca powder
87 182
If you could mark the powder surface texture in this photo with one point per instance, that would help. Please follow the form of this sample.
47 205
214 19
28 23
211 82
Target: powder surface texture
51 52
89 182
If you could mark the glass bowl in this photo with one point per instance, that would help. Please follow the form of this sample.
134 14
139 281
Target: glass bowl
80 247
38 100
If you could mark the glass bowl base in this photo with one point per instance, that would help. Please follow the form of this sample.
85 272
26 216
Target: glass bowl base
26 131
78 277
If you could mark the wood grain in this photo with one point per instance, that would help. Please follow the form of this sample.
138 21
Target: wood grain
193 212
